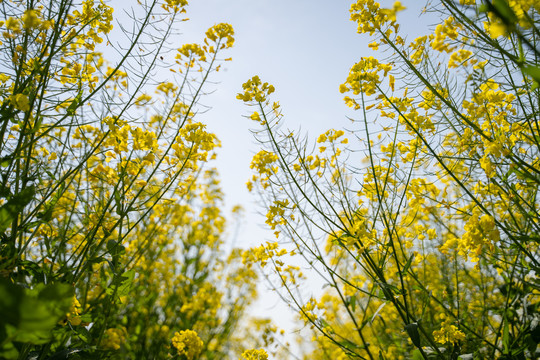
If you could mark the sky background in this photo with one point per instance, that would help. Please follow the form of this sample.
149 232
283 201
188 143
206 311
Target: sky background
305 49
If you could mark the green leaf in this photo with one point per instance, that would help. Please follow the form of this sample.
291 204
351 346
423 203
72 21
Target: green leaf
408 264
48 208
8 351
86 318
64 354
15 205
417 355
519 351
37 125
11 296
116 249
75 103
533 72
122 283
83 333
505 12
36 322
118 201
389 288
378 310
32 269
506 336
59 294
323 323
352 302
412 330
41 310
126 284
30 315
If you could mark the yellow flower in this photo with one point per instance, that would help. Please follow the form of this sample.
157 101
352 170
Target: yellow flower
187 343
221 31
255 355
447 30
13 24
487 165
461 57
143 100
113 338
74 312
191 51
31 19
495 28
263 162
175 5
255 89
20 102
448 333
371 17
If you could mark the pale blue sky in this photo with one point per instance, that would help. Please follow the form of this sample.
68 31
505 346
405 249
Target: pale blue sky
304 48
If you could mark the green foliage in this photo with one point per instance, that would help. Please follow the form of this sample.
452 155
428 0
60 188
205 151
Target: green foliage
14 206
30 315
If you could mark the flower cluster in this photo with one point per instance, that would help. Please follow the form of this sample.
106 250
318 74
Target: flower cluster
73 316
191 51
188 343
255 354
113 338
255 89
370 17
448 333
175 5
261 162
220 32
364 76
262 254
